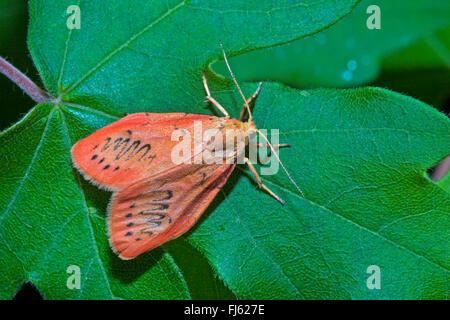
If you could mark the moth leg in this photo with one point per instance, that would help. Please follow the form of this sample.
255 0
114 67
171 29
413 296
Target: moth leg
260 145
211 99
250 100
259 181
275 146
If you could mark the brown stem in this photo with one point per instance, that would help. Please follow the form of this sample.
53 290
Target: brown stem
28 86
441 169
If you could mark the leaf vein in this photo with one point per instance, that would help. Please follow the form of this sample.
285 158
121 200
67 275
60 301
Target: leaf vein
262 251
91 230
436 264
27 171
121 47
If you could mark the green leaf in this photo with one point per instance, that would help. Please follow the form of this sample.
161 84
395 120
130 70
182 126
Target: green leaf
149 59
432 51
444 183
348 53
48 224
162 42
368 202
421 70
360 156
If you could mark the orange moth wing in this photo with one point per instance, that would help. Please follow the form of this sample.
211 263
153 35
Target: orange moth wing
156 210
133 148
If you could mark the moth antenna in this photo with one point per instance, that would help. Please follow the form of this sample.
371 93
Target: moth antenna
282 165
236 83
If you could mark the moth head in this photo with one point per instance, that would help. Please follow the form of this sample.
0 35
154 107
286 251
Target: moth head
250 129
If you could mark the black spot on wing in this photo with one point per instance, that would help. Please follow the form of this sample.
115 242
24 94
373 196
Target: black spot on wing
155 207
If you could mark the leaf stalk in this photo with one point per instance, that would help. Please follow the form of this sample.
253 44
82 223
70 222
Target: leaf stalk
22 81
